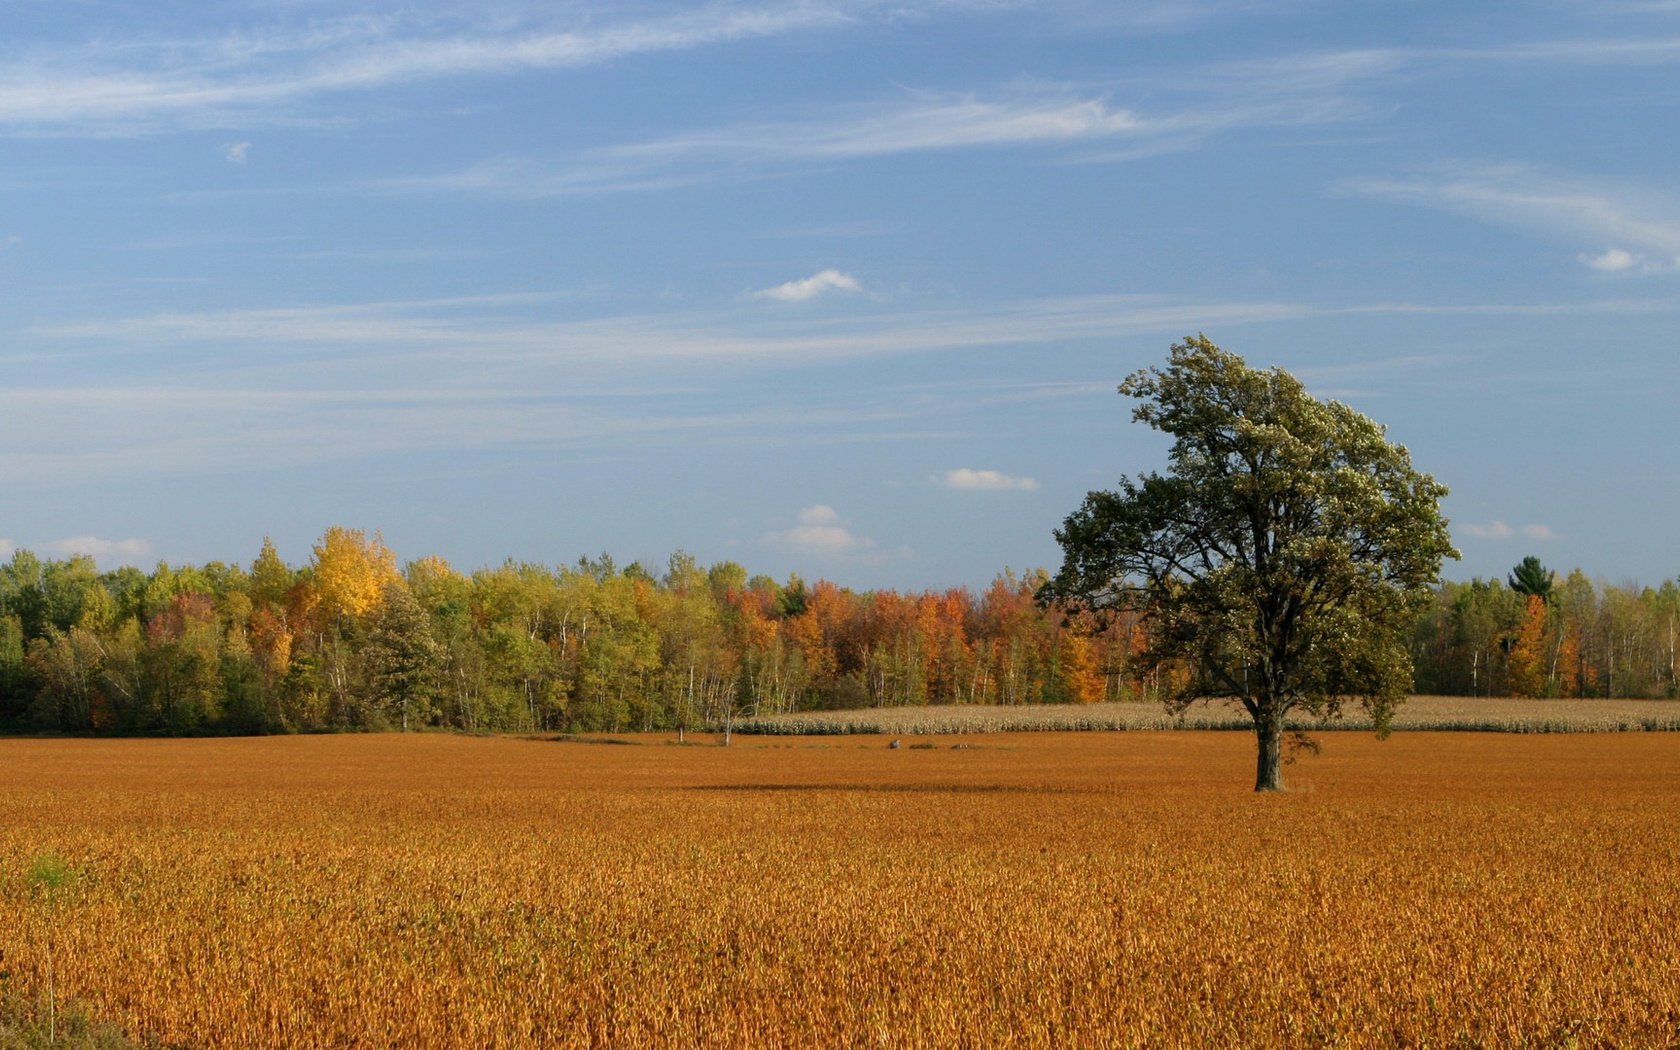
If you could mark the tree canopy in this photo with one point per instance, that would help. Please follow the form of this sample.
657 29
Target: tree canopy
1532 578
1284 556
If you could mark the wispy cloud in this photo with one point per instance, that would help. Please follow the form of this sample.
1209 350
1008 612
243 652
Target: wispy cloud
809 287
1073 123
919 123
1632 220
83 434
239 77
237 152
1593 51
436 338
968 479
485 331
272 72
122 552
286 387
276 388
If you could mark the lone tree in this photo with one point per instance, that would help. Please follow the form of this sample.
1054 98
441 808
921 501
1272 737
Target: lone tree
1282 558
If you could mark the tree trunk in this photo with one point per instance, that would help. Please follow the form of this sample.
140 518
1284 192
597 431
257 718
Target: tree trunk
1268 731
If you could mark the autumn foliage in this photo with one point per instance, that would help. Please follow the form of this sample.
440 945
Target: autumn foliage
1580 639
349 641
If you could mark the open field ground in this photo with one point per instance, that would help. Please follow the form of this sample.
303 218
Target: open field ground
1431 713
1050 889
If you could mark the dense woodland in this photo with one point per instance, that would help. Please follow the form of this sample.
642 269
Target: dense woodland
352 641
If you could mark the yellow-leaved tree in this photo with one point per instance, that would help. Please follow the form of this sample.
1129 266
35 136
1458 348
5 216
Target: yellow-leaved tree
349 573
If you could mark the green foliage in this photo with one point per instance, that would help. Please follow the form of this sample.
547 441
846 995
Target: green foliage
1283 557
48 875
1530 577
402 659
792 599
271 579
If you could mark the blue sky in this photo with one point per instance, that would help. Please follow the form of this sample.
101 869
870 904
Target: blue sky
841 287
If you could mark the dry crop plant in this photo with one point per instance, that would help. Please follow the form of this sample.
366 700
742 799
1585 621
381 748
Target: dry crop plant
1033 890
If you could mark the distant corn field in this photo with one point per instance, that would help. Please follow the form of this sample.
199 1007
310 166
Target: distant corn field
1435 713
1034 890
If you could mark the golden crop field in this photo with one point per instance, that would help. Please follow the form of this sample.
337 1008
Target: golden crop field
1045 890
1443 713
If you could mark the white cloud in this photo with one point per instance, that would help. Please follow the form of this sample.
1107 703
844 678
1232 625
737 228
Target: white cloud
1077 122
479 330
1617 260
233 79
985 481
10 241
917 123
120 551
7 548
1597 211
1499 530
1613 260
820 533
921 123
378 378
502 371
237 152
823 539
809 287
1493 530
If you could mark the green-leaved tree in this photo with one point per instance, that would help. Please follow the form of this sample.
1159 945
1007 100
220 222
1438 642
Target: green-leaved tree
1531 578
1282 558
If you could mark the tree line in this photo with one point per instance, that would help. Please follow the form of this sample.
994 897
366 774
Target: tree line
350 641
1536 634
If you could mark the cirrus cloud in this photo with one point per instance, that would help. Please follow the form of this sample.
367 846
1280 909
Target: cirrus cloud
1641 223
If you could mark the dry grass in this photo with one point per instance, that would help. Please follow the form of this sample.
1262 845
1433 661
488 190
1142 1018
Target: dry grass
1431 713
1033 890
